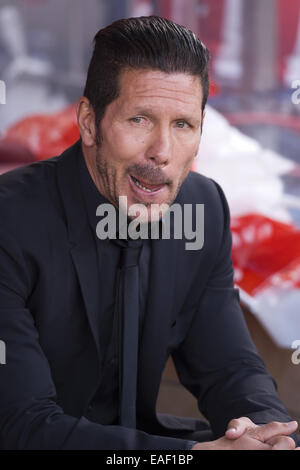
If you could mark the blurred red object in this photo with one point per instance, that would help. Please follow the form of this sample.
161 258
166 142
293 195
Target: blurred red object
214 89
264 250
14 152
13 155
45 135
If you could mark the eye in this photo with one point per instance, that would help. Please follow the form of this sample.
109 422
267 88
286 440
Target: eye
182 124
136 119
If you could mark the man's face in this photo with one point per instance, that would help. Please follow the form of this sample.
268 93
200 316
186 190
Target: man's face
149 137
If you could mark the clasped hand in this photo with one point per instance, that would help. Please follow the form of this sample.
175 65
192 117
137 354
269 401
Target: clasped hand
243 434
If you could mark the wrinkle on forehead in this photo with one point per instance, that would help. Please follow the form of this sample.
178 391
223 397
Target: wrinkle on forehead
156 84
167 97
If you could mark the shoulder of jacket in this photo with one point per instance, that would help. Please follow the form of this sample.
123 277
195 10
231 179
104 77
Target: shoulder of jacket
26 180
198 188
25 195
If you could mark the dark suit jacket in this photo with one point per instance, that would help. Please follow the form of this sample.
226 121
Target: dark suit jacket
49 299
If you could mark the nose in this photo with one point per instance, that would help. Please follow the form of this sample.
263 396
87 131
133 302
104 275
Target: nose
160 146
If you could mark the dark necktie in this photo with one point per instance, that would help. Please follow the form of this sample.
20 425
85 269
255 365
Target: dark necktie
128 310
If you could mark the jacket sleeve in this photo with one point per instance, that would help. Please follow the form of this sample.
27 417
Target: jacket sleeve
29 415
218 362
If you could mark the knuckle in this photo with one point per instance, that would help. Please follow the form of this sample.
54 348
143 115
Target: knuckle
247 420
233 422
244 420
275 424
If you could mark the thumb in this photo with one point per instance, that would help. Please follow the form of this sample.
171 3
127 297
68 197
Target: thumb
237 427
267 431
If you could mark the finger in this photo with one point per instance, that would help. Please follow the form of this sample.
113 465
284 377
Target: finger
237 427
267 431
282 443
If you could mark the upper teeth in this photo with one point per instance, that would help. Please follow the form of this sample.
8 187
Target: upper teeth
141 186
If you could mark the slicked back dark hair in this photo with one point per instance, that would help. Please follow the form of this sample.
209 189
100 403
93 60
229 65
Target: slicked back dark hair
148 42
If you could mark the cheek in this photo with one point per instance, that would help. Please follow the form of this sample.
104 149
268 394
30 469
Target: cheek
124 145
133 145
185 153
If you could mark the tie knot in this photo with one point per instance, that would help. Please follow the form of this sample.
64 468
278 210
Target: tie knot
130 251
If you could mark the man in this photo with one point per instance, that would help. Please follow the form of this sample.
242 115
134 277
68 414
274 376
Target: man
69 357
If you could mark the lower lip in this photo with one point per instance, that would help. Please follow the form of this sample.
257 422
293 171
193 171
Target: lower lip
141 192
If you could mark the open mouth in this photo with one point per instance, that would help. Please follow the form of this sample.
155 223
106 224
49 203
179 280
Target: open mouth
145 186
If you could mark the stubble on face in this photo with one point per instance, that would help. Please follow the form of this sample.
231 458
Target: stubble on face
106 177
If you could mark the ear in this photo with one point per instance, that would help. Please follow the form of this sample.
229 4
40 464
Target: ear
86 122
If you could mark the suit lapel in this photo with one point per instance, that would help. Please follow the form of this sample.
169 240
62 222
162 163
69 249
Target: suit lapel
85 260
81 240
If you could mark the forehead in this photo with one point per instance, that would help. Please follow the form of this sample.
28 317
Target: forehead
138 85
